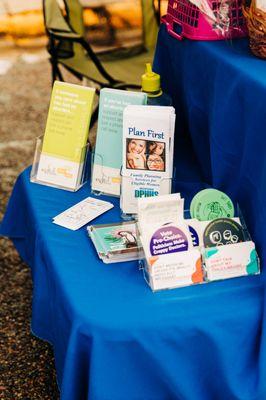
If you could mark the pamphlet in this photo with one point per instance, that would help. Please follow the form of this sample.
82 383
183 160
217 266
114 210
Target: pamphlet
108 150
82 213
148 141
66 135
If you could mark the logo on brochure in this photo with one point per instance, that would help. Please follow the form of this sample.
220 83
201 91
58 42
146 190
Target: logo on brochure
104 180
146 193
65 171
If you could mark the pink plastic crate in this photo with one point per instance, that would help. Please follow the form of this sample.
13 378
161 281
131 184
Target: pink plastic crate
184 19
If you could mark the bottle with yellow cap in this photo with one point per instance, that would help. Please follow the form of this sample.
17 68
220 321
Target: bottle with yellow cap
151 84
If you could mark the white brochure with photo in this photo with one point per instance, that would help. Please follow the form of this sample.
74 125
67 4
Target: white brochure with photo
148 142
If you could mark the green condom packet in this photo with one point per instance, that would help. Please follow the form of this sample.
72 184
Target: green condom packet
210 204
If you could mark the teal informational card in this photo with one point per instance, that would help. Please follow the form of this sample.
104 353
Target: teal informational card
108 150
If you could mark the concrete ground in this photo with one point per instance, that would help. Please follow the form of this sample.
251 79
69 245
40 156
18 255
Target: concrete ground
26 363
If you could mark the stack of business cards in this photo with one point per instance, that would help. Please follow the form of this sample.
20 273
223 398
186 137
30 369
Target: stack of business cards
82 213
115 242
171 259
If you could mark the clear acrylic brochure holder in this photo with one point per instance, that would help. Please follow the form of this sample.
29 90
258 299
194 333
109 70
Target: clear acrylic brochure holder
206 264
60 172
107 180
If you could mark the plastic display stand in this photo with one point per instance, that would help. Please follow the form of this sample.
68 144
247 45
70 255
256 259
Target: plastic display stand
61 173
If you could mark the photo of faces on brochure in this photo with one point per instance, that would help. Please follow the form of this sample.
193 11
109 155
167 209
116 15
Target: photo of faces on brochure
145 155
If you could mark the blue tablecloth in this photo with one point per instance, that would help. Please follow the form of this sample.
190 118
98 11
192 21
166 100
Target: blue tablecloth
113 338
219 91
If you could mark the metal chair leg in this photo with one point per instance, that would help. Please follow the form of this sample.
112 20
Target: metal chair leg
53 70
59 74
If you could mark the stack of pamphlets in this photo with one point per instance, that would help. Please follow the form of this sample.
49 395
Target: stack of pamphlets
115 242
65 139
108 151
148 144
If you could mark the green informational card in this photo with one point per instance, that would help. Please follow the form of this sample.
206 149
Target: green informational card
68 121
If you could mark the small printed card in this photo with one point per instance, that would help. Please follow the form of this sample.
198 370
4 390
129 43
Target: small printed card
66 135
82 213
230 261
178 269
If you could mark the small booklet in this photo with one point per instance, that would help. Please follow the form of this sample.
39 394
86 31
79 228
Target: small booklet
108 150
82 213
148 143
66 135
115 242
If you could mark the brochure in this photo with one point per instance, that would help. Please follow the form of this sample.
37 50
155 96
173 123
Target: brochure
108 150
148 136
66 135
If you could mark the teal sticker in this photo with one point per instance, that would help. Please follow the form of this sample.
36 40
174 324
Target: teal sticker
253 267
211 252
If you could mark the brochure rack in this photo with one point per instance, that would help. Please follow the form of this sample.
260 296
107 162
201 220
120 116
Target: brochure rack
202 265
105 177
61 173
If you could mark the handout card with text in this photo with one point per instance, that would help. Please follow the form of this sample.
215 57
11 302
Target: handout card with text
108 151
82 213
66 133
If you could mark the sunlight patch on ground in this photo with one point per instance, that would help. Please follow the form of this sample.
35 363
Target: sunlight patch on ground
5 65
16 143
